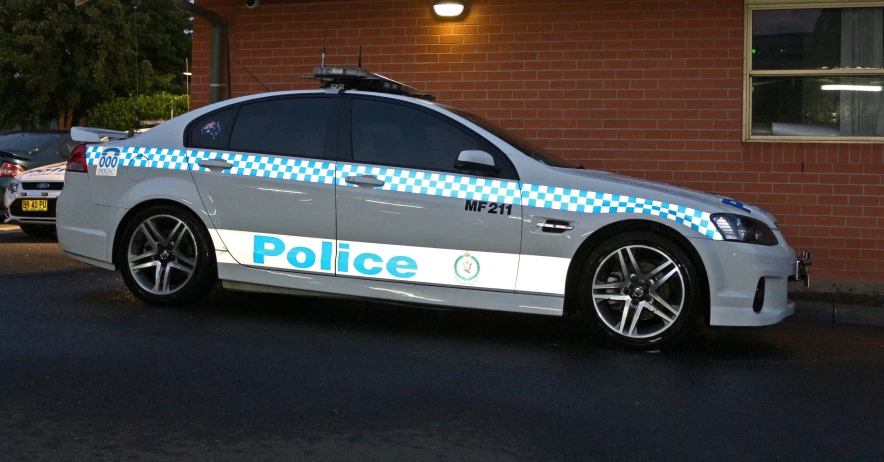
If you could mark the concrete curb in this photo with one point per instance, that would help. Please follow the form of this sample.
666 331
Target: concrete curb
838 314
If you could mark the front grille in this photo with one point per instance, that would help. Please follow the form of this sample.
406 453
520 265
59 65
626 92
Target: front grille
15 209
53 186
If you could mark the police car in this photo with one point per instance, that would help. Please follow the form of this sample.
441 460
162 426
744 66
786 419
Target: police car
366 188
30 199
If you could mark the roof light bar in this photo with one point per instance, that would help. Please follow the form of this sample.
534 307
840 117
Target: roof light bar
360 79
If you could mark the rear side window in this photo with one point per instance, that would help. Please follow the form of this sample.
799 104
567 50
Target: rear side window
393 134
290 127
212 131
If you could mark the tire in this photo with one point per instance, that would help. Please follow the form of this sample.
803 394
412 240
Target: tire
662 300
166 256
41 231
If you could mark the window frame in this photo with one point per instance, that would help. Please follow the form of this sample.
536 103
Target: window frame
507 169
331 137
749 73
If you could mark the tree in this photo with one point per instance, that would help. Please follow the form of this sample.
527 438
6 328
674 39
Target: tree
164 35
58 61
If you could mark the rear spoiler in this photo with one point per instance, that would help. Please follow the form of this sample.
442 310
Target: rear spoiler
98 135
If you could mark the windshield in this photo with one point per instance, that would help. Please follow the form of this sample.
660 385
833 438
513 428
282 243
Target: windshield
535 152
23 143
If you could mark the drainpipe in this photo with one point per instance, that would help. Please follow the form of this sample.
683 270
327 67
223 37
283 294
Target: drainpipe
218 26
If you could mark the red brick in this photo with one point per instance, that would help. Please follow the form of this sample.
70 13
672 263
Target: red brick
650 88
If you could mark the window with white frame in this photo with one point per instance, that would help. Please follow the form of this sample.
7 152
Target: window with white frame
815 70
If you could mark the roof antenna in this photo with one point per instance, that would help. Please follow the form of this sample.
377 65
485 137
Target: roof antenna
359 66
253 75
324 40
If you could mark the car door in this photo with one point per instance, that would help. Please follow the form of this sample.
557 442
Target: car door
406 214
265 173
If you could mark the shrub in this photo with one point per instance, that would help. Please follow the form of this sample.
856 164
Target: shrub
125 113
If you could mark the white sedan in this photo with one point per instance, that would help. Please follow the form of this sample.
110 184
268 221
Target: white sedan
367 189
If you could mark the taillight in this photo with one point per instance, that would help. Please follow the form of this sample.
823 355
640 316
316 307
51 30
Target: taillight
77 160
9 169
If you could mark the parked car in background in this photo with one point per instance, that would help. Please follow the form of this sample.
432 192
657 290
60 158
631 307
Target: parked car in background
22 151
30 199
30 196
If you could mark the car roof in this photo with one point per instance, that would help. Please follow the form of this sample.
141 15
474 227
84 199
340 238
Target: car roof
272 94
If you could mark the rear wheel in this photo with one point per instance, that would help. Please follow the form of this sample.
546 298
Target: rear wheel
641 290
38 230
166 257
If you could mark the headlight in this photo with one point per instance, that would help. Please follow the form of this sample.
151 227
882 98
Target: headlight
743 229
12 187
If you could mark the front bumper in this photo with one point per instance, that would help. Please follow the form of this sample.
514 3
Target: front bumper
748 283
4 181
14 215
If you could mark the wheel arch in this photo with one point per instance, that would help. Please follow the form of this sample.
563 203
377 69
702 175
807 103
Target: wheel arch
135 210
612 229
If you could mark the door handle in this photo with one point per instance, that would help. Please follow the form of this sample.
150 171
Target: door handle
215 163
368 181
554 226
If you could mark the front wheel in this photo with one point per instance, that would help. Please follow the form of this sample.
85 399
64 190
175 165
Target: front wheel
640 289
166 257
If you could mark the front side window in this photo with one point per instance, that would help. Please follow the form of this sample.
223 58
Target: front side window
815 73
526 147
393 134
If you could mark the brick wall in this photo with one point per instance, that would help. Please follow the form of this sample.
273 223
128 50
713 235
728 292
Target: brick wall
651 89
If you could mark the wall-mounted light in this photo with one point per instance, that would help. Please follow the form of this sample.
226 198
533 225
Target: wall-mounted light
851 87
450 10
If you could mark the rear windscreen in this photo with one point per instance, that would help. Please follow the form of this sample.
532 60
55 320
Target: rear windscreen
23 143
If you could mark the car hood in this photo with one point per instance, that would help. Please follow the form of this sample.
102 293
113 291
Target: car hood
710 203
53 172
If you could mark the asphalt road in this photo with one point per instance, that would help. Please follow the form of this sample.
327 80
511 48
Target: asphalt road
89 373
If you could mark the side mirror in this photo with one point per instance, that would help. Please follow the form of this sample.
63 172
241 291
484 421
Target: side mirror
478 162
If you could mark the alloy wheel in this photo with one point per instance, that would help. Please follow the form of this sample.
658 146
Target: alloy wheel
162 254
638 291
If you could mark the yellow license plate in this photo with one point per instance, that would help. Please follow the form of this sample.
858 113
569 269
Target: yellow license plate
34 206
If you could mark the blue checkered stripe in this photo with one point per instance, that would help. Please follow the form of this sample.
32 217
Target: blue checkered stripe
171 159
284 168
435 184
415 182
576 200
